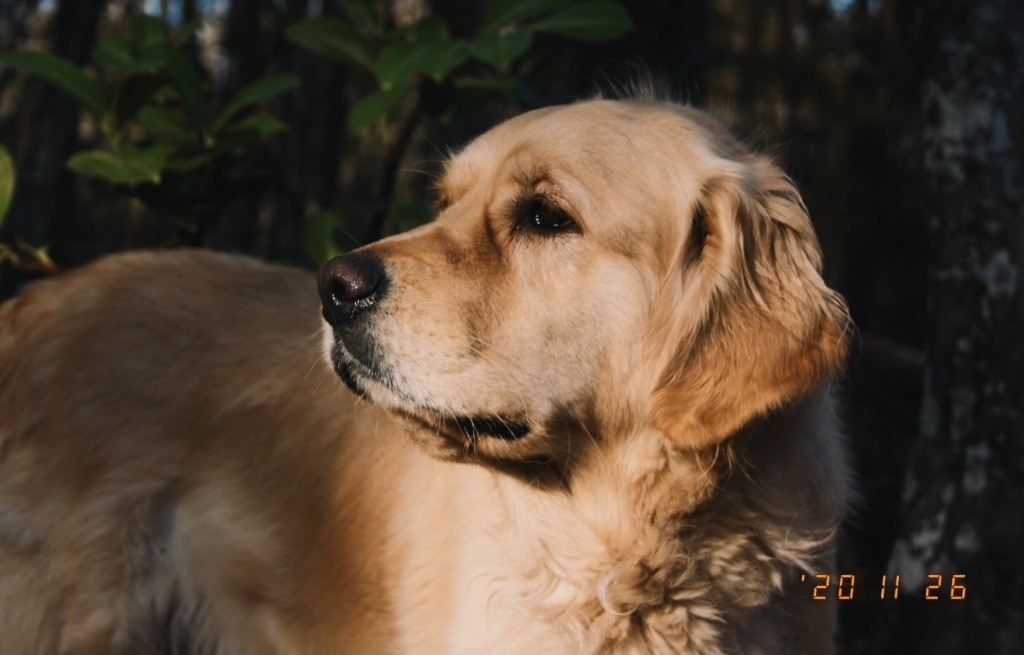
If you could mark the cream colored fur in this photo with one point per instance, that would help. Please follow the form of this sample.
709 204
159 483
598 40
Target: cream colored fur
182 471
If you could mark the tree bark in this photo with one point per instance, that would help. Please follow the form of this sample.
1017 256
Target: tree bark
963 500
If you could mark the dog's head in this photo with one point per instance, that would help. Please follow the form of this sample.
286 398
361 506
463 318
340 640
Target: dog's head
593 269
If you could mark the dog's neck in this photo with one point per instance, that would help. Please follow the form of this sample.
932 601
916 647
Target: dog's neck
643 542
604 548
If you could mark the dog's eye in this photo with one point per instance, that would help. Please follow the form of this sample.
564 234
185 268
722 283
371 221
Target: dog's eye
538 215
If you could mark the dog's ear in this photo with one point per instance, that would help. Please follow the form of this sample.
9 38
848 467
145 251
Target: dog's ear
756 324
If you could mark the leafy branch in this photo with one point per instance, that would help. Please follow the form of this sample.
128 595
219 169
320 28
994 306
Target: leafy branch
422 64
161 142
20 255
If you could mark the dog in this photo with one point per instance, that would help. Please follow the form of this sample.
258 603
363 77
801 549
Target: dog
586 410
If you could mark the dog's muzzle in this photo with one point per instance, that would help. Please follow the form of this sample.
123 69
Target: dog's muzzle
351 287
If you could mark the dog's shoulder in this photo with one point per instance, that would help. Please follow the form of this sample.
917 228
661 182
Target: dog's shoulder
170 438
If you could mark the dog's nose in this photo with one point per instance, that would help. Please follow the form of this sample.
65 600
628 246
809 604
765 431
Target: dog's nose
350 284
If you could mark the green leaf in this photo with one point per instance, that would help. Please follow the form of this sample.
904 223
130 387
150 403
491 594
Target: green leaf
157 58
430 27
395 63
263 123
128 165
61 73
361 16
322 229
442 57
6 182
365 112
131 93
436 57
161 120
259 90
502 50
188 80
588 21
331 38
509 11
179 164
40 255
115 52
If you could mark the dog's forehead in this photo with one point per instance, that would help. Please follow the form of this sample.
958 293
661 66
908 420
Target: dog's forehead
599 135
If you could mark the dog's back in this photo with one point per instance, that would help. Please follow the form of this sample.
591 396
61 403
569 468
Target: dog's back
166 445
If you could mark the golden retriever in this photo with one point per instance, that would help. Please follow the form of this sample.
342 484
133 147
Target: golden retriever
611 350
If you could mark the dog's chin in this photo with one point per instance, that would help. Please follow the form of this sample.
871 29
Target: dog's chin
463 429
345 370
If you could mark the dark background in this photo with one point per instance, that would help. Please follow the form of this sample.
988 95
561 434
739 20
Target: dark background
899 121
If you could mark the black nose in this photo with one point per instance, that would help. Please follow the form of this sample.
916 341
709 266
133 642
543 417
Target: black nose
349 285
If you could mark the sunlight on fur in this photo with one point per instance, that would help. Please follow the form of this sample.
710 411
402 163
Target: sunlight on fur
587 411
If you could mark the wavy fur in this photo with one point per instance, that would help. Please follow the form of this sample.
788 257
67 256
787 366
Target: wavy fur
181 470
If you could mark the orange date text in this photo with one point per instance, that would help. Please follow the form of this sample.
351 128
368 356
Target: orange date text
847 586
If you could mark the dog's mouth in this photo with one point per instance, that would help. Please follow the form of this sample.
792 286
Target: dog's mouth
501 427
360 379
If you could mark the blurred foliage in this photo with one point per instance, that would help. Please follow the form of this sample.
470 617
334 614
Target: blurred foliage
422 56
20 254
417 61
6 182
161 141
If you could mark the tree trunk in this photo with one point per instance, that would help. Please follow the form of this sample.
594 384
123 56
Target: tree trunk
963 501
